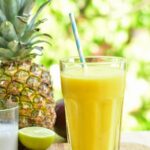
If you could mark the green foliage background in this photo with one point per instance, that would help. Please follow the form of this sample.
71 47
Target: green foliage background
107 27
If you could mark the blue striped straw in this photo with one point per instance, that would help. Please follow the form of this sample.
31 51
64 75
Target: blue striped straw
76 36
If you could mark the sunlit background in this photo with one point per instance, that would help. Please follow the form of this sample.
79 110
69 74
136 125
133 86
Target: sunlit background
106 27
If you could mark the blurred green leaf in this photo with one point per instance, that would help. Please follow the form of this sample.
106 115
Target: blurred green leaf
105 28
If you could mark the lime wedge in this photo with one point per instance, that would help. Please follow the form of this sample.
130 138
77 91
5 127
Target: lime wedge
36 138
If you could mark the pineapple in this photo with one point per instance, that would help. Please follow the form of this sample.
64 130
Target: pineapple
21 80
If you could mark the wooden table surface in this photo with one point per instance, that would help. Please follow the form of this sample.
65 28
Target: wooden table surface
124 146
129 141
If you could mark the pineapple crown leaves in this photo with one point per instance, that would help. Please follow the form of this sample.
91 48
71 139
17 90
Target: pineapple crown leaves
31 25
2 104
10 9
19 33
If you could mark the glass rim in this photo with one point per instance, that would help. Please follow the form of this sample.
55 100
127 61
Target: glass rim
9 109
108 59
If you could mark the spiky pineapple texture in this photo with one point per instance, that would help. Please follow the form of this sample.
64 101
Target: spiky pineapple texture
22 81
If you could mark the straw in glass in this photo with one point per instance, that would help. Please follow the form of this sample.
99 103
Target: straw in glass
76 36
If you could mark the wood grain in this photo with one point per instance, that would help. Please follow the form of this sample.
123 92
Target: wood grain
124 146
59 147
130 141
134 146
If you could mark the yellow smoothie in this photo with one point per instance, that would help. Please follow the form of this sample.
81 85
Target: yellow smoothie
93 99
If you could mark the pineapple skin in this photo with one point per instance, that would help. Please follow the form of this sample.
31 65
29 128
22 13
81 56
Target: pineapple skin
29 85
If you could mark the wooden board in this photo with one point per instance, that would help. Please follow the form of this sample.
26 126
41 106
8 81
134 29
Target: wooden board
134 146
130 141
59 147
124 146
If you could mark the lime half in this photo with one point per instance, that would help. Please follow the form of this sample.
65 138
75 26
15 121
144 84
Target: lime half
36 138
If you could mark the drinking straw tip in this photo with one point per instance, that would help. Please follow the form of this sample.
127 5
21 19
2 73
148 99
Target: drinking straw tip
76 36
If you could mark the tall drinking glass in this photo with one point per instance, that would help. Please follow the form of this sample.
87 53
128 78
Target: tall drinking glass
9 128
93 94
